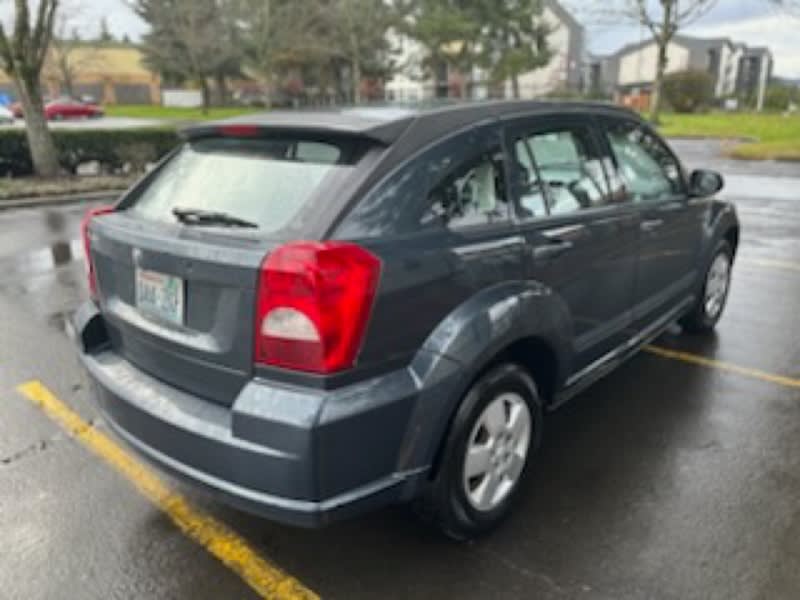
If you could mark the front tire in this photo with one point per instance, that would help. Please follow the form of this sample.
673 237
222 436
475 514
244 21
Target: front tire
708 309
487 455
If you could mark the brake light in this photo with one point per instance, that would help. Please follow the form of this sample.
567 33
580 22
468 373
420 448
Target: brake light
90 270
238 130
314 302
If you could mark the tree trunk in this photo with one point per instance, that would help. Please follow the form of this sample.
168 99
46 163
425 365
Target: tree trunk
355 68
356 77
67 81
515 86
655 101
40 140
268 79
222 89
268 83
661 66
204 92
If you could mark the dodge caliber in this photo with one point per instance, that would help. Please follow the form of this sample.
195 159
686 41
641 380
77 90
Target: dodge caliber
313 314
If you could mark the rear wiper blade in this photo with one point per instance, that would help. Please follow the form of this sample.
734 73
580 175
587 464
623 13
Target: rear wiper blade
197 216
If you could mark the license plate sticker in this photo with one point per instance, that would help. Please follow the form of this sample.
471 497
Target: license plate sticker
160 295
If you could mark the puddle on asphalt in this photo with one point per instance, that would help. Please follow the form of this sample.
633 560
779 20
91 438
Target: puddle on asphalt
758 186
43 259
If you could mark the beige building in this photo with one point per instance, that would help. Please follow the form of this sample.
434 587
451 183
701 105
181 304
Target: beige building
111 73
737 70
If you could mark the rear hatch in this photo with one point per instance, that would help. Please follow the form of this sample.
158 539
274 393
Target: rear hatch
178 263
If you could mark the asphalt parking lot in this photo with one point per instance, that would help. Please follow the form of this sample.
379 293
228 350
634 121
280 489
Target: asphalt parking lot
677 476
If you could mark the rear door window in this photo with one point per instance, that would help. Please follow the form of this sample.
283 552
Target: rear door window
456 184
473 194
263 181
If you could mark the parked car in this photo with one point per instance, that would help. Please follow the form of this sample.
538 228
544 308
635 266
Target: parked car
315 314
68 108
6 115
64 108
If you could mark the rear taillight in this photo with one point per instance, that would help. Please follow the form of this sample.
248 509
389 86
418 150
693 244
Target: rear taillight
87 246
314 302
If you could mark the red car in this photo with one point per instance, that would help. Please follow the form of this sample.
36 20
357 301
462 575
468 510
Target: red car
67 108
64 108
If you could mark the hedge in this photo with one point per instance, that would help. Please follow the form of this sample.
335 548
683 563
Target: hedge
113 148
689 91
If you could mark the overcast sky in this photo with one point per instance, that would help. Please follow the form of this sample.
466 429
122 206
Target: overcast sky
753 22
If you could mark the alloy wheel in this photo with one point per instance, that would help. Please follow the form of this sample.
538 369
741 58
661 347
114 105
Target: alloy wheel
496 451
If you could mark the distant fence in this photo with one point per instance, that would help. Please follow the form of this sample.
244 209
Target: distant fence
183 98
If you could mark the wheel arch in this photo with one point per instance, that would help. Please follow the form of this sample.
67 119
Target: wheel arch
523 323
731 235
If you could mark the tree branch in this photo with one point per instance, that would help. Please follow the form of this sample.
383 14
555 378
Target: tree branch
694 11
5 52
45 29
644 17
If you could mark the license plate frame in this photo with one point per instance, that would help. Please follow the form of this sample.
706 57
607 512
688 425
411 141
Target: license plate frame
161 296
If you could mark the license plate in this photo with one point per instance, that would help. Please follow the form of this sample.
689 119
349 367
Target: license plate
160 295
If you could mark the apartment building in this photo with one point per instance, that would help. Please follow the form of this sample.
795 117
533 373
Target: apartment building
628 74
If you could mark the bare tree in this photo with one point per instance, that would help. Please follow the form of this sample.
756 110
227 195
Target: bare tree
280 36
69 55
269 29
663 19
188 38
22 55
663 28
359 36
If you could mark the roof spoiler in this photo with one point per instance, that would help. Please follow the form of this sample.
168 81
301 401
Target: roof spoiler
322 125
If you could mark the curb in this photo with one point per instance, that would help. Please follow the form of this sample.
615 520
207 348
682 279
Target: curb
59 200
713 138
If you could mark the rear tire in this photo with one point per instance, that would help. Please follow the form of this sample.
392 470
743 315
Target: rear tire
708 308
487 455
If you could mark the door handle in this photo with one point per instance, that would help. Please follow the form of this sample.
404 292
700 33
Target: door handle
489 246
651 225
552 249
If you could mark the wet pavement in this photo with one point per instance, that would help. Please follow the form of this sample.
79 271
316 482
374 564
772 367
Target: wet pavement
664 480
101 123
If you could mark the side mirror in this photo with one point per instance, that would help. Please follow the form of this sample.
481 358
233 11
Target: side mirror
703 184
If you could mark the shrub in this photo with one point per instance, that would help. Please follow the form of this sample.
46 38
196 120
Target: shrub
689 91
779 97
115 150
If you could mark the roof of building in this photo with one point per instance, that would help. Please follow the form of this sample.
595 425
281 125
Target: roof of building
757 51
563 14
692 43
683 40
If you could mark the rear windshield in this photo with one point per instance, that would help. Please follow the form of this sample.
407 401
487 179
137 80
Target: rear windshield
263 181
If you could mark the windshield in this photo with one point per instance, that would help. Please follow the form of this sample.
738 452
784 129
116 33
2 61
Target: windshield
262 181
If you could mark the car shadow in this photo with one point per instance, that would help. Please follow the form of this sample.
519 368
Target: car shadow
607 461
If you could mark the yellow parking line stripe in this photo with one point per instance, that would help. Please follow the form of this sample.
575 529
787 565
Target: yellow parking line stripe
216 537
724 366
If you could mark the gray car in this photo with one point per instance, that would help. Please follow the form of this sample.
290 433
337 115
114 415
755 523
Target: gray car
312 314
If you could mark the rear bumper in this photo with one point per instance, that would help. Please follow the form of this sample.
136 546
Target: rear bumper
299 456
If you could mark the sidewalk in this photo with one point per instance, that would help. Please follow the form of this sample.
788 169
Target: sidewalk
14 203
